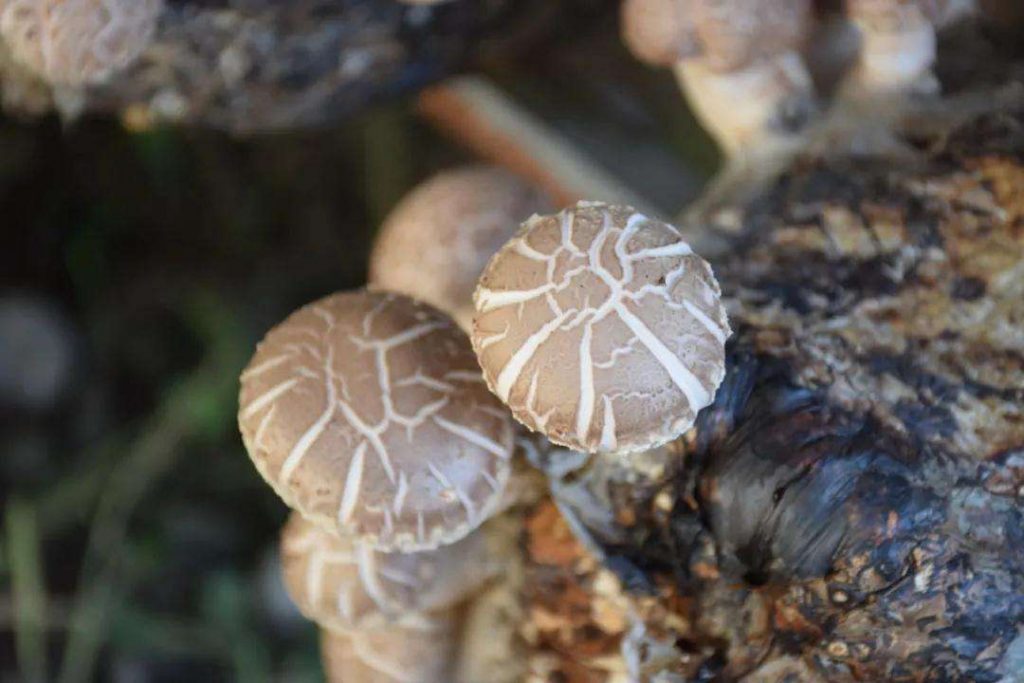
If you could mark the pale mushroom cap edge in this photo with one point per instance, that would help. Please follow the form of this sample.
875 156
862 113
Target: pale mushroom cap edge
600 328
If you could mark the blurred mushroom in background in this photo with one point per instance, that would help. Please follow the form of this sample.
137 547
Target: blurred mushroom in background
738 62
436 242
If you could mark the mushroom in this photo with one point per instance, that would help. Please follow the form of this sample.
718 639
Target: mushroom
437 241
737 61
601 328
898 43
394 655
77 42
349 587
366 413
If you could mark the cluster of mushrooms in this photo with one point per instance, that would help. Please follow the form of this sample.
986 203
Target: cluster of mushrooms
389 431
756 72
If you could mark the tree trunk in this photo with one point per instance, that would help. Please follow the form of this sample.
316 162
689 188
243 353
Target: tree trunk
851 508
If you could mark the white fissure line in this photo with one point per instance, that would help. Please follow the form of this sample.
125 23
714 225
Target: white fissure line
353 484
585 408
372 436
269 397
472 436
398 504
514 368
315 430
681 376
608 440
266 365
709 324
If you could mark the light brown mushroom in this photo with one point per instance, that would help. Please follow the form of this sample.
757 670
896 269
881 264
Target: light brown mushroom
393 655
737 60
346 586
77 42
898 43
436 242
366 412
600 328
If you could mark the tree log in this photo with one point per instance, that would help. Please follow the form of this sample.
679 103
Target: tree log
851 508
250 65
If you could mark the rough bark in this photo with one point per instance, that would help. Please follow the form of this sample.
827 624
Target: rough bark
250 65
852 506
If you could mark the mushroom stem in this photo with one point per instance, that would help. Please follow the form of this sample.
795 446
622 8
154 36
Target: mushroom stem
768 101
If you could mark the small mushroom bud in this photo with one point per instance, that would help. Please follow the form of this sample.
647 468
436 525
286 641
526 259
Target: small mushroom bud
366 412
600 328
346 586
393 655
437 241
737 61
77 42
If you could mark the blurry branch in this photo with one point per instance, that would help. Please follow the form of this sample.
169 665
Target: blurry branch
26 567
189 410
474 112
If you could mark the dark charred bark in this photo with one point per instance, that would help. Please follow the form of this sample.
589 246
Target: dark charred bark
852 506
248 65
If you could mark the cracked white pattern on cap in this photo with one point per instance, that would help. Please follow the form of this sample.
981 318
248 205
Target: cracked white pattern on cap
76 42
600 328
366 412
347 586
439 238
394 655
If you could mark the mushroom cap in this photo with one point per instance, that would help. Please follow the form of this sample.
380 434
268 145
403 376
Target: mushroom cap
395 655
726 34
347 586
660 32
77 42
366 412
600 328
437 241
736 33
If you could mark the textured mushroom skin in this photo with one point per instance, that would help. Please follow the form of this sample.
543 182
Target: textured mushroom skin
76 42
367 414
438 240
345 586
601 329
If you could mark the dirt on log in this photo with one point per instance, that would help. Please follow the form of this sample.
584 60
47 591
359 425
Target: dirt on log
852 506
252 65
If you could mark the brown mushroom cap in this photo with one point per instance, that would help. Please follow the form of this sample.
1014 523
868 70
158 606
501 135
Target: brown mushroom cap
736 33
76 42
601 328
394 655
726 34
366 413
346 586
437 241
660 32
